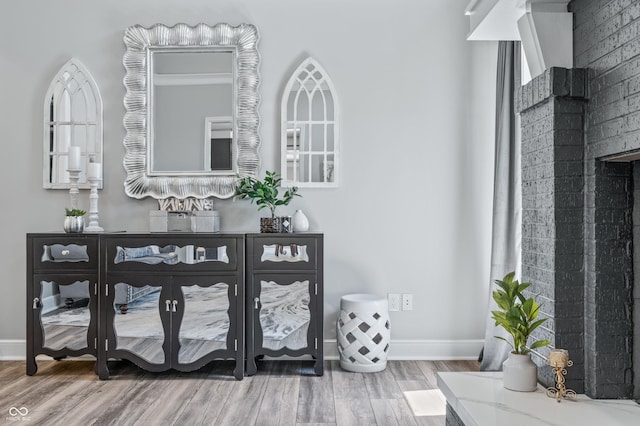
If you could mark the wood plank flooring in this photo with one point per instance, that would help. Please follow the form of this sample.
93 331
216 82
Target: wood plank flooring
282 393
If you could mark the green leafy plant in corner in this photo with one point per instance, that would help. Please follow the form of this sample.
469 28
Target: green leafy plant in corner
265 193
517 314
74 212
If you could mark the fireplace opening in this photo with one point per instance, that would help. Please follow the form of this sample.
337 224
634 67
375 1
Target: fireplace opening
612 325
635 296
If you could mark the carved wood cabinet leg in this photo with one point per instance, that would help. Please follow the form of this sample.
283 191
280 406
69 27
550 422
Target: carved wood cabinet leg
32 367
252 368
101 370
238 372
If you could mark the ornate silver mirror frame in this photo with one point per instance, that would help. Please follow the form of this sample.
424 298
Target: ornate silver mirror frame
140 42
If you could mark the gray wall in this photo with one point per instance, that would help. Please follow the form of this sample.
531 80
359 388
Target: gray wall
412 214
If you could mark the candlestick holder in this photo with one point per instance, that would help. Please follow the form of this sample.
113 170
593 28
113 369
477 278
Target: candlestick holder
74 175
559 360
93 206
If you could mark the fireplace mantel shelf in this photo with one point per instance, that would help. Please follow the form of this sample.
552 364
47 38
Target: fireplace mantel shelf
479 398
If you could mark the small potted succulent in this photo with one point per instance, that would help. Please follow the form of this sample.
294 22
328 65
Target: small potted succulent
265 193
517 315
74 220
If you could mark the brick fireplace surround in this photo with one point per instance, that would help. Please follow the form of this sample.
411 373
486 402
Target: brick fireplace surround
581 179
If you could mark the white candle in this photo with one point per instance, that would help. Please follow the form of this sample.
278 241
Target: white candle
94 171
74 158
558 358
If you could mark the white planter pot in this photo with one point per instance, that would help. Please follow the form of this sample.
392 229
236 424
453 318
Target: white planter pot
520 373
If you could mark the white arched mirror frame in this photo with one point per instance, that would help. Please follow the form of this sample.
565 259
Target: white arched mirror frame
72 117
298 149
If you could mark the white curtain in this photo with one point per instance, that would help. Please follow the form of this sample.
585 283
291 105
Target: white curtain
507 196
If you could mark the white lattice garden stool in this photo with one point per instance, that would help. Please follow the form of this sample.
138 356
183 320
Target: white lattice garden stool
363 333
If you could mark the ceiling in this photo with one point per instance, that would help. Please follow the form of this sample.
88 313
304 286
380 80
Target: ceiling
498 19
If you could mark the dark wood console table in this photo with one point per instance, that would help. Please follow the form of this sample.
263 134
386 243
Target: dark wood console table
174 300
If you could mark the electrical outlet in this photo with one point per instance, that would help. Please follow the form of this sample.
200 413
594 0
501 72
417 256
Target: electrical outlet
407 302
394 301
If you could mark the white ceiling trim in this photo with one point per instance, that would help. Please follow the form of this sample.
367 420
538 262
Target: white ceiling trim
497 19
544 27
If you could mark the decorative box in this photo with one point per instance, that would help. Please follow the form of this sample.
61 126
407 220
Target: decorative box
206 221
179 221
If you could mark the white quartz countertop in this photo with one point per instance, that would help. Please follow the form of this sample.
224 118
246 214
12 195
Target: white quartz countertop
480 399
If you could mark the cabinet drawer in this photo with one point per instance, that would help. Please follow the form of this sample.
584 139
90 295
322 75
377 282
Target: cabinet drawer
283 252
76 253
172 254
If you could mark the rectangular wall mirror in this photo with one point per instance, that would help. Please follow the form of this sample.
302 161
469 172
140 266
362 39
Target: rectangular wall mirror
192 118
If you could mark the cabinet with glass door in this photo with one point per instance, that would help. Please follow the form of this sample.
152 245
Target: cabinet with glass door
284 297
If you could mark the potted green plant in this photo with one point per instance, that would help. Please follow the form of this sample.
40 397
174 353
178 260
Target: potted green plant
74 220
518 315
265 194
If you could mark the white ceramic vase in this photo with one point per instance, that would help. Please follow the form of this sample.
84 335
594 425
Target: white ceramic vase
300 222
520 373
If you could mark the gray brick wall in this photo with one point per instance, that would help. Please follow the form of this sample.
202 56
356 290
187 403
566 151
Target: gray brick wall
552 111
578 205
607 42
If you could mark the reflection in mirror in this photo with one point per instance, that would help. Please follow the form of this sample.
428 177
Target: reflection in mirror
284 314
72 117
197 337
219 149
309 109
171 254
191 109
65 325
284 253
60 253
140 330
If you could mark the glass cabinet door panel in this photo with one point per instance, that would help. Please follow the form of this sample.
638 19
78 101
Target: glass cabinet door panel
284 314
65 322
205 324
138 328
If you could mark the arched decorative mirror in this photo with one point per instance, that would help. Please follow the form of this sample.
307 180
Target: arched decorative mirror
72 118
191 109
309 132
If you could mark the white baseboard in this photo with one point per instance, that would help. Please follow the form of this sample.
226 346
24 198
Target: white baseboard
399 349
11 350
